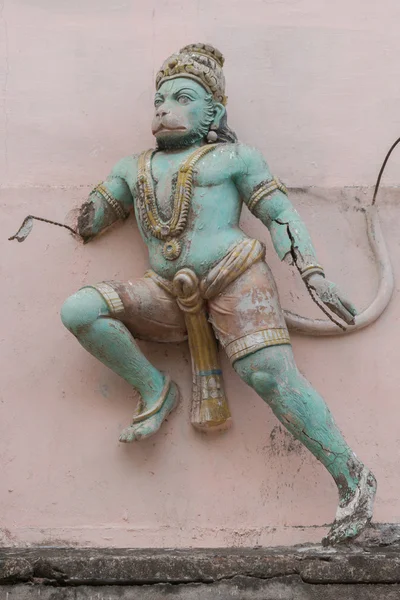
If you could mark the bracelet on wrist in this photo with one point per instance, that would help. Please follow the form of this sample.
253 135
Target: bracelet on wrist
311 270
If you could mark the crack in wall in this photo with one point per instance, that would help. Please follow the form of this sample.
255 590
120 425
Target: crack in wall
289 578
36 579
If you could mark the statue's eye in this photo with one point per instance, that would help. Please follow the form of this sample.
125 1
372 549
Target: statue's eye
157 102
184 99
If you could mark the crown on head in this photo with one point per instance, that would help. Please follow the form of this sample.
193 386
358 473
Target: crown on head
200 62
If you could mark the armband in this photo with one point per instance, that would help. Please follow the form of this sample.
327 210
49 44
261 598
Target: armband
111 201
264 189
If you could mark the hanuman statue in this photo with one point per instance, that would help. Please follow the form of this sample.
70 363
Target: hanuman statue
208 280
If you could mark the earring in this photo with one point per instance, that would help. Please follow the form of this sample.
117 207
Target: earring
212 135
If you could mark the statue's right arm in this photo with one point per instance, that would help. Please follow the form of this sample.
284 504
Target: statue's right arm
110 201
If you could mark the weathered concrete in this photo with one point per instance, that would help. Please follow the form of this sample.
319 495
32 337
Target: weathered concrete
241 588
299 567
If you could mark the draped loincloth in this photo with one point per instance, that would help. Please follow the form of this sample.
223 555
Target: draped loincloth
236 302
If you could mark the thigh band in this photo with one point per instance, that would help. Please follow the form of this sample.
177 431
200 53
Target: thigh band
110 296
256 340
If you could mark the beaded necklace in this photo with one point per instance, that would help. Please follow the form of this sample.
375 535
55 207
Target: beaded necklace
169 229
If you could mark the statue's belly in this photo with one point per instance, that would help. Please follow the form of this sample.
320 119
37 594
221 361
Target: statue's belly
199 252
210 232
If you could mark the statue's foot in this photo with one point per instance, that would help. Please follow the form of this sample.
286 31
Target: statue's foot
353 516
147 423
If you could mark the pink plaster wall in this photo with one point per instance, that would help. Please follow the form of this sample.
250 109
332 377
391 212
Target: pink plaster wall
314 84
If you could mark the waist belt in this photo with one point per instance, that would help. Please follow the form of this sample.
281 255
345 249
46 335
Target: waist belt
210 408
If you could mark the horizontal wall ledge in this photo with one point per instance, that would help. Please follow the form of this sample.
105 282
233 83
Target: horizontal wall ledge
374 560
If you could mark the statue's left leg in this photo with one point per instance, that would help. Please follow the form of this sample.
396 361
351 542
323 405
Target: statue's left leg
248 320
273 374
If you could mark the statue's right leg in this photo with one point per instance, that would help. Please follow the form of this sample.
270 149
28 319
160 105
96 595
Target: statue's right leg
89 316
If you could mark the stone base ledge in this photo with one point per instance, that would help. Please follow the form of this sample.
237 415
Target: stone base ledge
239 588
375 560
366 570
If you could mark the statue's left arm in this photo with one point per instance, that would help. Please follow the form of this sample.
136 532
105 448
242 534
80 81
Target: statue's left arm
267 199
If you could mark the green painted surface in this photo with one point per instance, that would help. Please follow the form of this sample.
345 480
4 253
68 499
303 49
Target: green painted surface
223 179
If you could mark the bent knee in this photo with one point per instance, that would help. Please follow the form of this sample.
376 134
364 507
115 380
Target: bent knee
266 367
82 309
263 383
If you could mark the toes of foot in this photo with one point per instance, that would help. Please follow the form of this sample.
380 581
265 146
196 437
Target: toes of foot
144 430
326 541
131 434
333 537
128 435
343 533
331 540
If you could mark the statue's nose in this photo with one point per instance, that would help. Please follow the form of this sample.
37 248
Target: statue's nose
161 112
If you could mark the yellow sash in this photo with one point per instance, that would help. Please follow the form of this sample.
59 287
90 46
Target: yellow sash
210 408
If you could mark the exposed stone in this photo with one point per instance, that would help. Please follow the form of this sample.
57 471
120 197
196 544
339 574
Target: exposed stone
15 568
384 534
124 567
241 588
382 568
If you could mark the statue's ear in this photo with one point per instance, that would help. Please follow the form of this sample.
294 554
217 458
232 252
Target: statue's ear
219 111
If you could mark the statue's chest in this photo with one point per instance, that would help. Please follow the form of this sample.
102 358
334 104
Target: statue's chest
164 179
167 186
165 176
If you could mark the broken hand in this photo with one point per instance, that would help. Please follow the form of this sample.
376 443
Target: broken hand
330 294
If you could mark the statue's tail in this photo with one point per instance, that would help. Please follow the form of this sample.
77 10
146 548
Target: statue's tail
382 298
378 305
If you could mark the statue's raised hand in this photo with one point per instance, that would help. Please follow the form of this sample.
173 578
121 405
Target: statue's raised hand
330 294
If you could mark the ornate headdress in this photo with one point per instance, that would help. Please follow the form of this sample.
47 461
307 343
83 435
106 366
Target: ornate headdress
200 62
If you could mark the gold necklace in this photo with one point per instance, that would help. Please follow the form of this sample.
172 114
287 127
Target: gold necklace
167 230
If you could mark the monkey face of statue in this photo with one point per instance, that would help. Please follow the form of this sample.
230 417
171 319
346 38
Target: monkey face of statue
184 113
